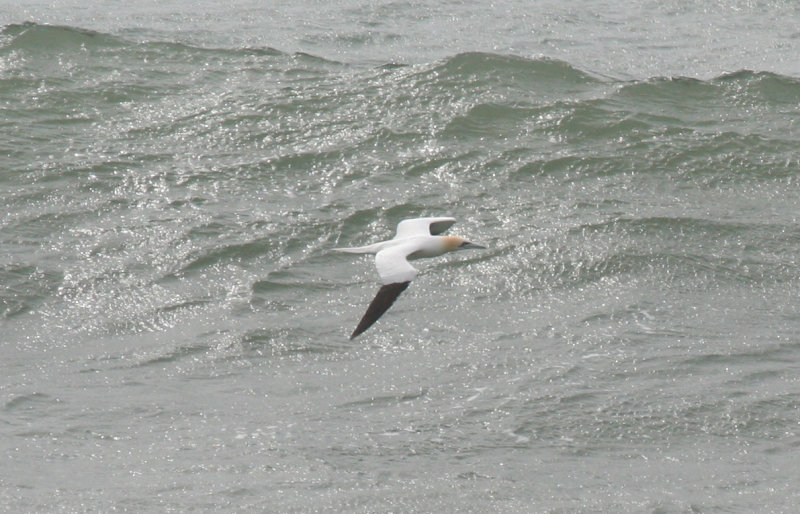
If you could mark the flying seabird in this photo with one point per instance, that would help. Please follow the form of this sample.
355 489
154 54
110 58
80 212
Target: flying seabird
415 239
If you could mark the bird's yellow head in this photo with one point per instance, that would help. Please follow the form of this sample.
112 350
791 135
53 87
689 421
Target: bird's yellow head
453 243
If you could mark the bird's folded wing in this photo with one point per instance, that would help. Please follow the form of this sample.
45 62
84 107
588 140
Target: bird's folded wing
423 227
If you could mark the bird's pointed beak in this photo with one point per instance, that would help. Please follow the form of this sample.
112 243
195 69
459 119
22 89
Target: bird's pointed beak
473 246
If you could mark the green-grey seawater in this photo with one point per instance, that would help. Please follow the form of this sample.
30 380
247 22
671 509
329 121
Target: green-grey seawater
175 327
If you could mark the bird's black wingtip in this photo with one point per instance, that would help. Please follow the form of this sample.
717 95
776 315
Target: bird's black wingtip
360 329
380 304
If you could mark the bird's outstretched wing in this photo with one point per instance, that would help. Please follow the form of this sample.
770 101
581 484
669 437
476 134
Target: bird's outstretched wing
393 266
386 296
423 227
396 273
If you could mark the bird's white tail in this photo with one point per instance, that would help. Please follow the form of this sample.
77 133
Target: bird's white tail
373 248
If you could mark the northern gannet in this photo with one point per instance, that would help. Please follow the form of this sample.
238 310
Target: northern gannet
415 239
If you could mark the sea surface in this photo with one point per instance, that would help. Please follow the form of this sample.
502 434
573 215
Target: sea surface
174 325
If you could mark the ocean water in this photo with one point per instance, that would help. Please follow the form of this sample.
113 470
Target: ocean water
174 326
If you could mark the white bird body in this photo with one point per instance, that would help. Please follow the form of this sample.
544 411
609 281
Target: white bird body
416 238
